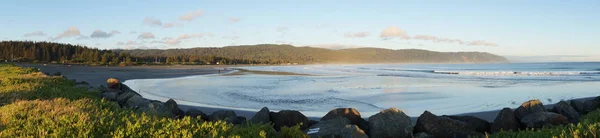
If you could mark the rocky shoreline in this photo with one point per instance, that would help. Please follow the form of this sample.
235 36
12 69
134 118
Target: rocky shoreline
347 122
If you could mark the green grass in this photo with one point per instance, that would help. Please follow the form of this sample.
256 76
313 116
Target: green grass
36 105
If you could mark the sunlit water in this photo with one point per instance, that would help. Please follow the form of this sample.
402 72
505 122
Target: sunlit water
413 88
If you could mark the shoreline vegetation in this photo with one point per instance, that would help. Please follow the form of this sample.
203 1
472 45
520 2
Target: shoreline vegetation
262 54
34 104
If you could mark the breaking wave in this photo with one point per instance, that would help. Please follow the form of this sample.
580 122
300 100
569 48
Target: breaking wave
514 73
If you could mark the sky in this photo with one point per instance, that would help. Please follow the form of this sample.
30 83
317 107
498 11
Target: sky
554 29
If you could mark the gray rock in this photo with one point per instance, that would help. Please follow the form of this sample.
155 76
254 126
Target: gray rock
541 119
111 96
578 106
102 88
288 118
480 125
157 108
336 127
390 123
565 109
351 114
506 121
235 120
531 106
423 135
222 115
137 102
443 126
261 117
125 88
195 113
124 97
172 106
591 105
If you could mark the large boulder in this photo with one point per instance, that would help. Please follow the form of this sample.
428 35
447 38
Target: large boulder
336 127
480 125
565 109
125 88
235 120
261 117
578 106
222 115
591 105
137 102
157 108
195 113
506 121
102 88
124 97
351 114
111 96
390 123
172 106
541 119
288 118
531 106
113 83
443 127
423 135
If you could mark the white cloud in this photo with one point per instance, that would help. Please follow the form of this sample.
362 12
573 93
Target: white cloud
178 40
132 32
234 20
356 34
172 24
70 32
192 15
188 36
447 40
102 34
36 33
146 35
152 22
481 43
282 29
393 32
171 41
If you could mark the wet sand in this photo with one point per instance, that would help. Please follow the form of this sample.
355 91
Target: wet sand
97 75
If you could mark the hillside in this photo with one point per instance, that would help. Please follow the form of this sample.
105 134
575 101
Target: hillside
27 51
269 53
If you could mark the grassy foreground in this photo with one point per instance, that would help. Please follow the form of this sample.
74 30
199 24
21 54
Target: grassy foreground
35 105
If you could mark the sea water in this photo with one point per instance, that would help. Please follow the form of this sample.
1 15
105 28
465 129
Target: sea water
439 88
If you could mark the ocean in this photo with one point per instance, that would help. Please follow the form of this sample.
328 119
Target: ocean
440 88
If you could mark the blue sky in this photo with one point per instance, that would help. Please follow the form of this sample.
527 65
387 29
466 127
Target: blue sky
562 29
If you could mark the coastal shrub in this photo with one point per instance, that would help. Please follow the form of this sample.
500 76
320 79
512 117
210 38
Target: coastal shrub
36 105
292 132
588 127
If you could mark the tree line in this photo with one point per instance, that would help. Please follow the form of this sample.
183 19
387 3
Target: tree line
29 51
49 52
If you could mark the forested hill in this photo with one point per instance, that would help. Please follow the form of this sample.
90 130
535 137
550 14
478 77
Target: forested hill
269 53
28 51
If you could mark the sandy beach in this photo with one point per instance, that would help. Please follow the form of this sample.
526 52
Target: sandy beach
97 75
